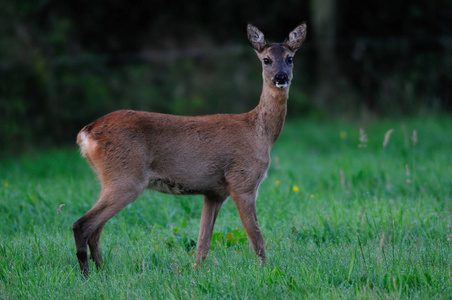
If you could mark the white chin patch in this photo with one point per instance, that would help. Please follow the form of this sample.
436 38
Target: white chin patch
281 86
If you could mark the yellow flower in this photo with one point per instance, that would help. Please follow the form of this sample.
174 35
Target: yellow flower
343 135
6 184
295 188
277 182
312 196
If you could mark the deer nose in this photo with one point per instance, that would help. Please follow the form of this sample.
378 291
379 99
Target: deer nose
281 77
281 80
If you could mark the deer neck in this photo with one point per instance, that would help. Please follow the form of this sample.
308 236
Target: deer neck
271 112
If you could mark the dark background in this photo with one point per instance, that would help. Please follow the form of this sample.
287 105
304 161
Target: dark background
65 63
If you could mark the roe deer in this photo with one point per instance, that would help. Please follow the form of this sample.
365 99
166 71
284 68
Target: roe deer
216 156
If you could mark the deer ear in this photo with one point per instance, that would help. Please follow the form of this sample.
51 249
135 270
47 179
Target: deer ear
296 37
256 37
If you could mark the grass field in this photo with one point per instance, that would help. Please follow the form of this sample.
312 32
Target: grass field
342 216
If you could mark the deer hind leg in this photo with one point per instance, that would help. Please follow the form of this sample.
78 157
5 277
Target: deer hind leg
89 227
210 209
93 243
246 205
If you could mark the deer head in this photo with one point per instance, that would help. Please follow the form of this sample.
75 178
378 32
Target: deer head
277 58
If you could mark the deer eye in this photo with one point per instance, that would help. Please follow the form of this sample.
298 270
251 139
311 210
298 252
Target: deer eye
267 61
289 60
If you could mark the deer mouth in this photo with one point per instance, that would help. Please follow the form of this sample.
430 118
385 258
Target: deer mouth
281 85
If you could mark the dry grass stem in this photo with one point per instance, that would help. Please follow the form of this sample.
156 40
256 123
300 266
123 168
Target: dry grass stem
59 208
408 174
363 138
414 137
387 136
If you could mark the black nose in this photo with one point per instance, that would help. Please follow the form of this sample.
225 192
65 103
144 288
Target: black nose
281 77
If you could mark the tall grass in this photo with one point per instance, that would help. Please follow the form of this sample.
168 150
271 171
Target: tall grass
343 216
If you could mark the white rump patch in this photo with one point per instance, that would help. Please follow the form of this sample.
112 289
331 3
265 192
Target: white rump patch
86 144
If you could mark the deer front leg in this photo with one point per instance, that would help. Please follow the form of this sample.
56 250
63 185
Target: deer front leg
210 209
246 205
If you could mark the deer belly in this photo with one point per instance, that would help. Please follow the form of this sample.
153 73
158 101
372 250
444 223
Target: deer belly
192 185
168 186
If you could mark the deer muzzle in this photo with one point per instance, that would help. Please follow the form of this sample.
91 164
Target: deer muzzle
281 80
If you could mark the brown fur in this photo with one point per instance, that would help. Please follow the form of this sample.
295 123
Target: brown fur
216 156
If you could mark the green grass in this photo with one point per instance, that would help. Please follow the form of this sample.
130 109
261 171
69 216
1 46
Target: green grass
340 221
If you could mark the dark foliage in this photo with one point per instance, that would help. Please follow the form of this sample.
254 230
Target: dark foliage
63 64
